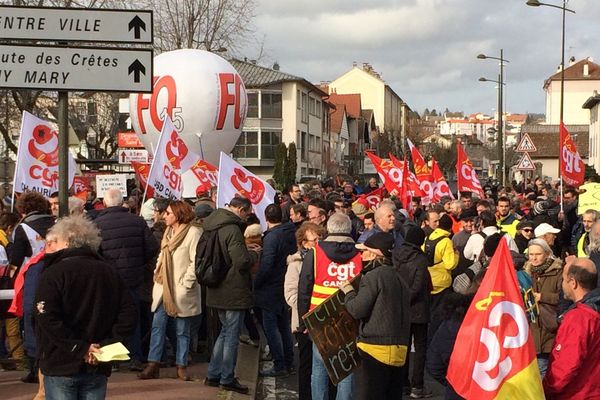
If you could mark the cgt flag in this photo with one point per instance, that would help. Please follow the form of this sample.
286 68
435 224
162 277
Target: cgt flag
141 173
424 176
37 158
572 168
441 186
494 356
466 176
390 174
171 159
199 179
236 180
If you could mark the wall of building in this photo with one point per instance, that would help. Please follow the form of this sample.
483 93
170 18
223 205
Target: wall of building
576 93
594 156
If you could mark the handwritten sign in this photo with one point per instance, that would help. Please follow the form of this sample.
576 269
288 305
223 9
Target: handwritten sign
105 182
589 198
334 331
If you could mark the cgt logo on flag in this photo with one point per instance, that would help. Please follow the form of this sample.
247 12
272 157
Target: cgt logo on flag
248 186
493 356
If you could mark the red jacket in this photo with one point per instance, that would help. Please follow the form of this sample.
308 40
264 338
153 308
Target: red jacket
574 367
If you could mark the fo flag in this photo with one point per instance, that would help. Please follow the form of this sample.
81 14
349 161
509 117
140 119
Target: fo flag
171 158
494 356
37 157
235 180
423 174
572 168
141 173
466 175
441 186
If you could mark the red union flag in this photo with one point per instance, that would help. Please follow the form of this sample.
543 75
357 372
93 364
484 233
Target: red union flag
172 157
441 186
141 173
390 174
572 168
206 174
494 356
426 182
410 180
466 176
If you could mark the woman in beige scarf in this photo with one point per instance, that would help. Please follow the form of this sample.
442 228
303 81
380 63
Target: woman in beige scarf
176 294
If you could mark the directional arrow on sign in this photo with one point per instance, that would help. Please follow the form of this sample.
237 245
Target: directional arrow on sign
137 25
136 67
123 156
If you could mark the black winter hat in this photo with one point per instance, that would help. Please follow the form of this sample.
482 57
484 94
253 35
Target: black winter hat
381 241
415 235
446 223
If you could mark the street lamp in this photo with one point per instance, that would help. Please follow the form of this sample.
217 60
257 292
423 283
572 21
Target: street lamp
501 84
536 3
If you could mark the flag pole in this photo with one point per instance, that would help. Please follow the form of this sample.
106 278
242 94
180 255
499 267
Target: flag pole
12 198
149 173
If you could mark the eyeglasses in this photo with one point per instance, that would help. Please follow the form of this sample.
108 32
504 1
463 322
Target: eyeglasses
527 230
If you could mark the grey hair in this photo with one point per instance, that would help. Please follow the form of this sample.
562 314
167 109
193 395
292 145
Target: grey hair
594 238
388 203
383 207
77 231
339 223
113 197
543 244
75 205
595 214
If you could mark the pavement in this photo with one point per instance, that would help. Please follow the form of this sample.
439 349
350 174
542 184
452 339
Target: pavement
126 386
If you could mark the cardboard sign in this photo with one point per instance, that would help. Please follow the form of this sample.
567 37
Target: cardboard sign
105 182
589 199
334 332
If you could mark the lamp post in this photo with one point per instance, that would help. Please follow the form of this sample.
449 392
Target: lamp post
501 84
536 3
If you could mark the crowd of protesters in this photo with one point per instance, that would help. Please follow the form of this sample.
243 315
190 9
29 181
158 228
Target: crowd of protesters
116 270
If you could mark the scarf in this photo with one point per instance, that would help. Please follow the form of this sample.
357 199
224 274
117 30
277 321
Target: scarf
163 274
543 267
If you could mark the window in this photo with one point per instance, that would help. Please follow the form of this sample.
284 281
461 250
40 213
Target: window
312 106
270 104
298 100
304 149
268 143
246 146
319 109
304 107
252 105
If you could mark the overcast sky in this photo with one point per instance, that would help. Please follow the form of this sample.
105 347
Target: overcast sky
426 49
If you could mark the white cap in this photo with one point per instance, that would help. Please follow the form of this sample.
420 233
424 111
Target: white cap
544 228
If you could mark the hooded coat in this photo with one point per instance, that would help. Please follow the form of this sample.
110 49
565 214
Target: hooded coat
411 263
235 292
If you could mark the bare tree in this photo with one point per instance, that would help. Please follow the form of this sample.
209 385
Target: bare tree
215 25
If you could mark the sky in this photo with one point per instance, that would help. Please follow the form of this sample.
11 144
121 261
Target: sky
426 50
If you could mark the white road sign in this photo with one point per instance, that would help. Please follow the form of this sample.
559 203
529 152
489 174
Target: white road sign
76 24
126 156
526 163
526 145
75 68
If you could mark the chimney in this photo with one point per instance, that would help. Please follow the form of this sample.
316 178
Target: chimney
276 66
586 69
354 64
253 62
571 61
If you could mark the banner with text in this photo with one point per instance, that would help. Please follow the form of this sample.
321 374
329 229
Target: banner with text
467 180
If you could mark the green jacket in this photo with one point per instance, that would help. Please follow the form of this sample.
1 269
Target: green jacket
235 292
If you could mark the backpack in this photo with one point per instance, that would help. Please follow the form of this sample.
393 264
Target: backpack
526 287
211 267
429 249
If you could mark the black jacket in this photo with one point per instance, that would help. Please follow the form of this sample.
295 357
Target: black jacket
21 248
411 263
439 352
340 249
278 243
382 304
80 300
127 243
521 242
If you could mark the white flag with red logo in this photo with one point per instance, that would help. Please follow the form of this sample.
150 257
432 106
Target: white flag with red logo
572 168
441 186
171 158
199 179
466 175
236 180
37 157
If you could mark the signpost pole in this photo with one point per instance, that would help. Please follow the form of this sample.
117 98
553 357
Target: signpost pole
63 151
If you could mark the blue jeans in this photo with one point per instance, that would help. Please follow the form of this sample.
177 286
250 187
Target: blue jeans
279 337
83 386
542 364
159 329
320 381
224 354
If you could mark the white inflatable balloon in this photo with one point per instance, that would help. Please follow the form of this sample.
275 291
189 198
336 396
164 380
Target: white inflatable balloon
203 94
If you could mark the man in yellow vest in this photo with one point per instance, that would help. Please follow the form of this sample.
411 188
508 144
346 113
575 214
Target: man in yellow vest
333 261
507 220
588 218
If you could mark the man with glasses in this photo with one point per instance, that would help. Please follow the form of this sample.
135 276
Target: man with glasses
295 197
